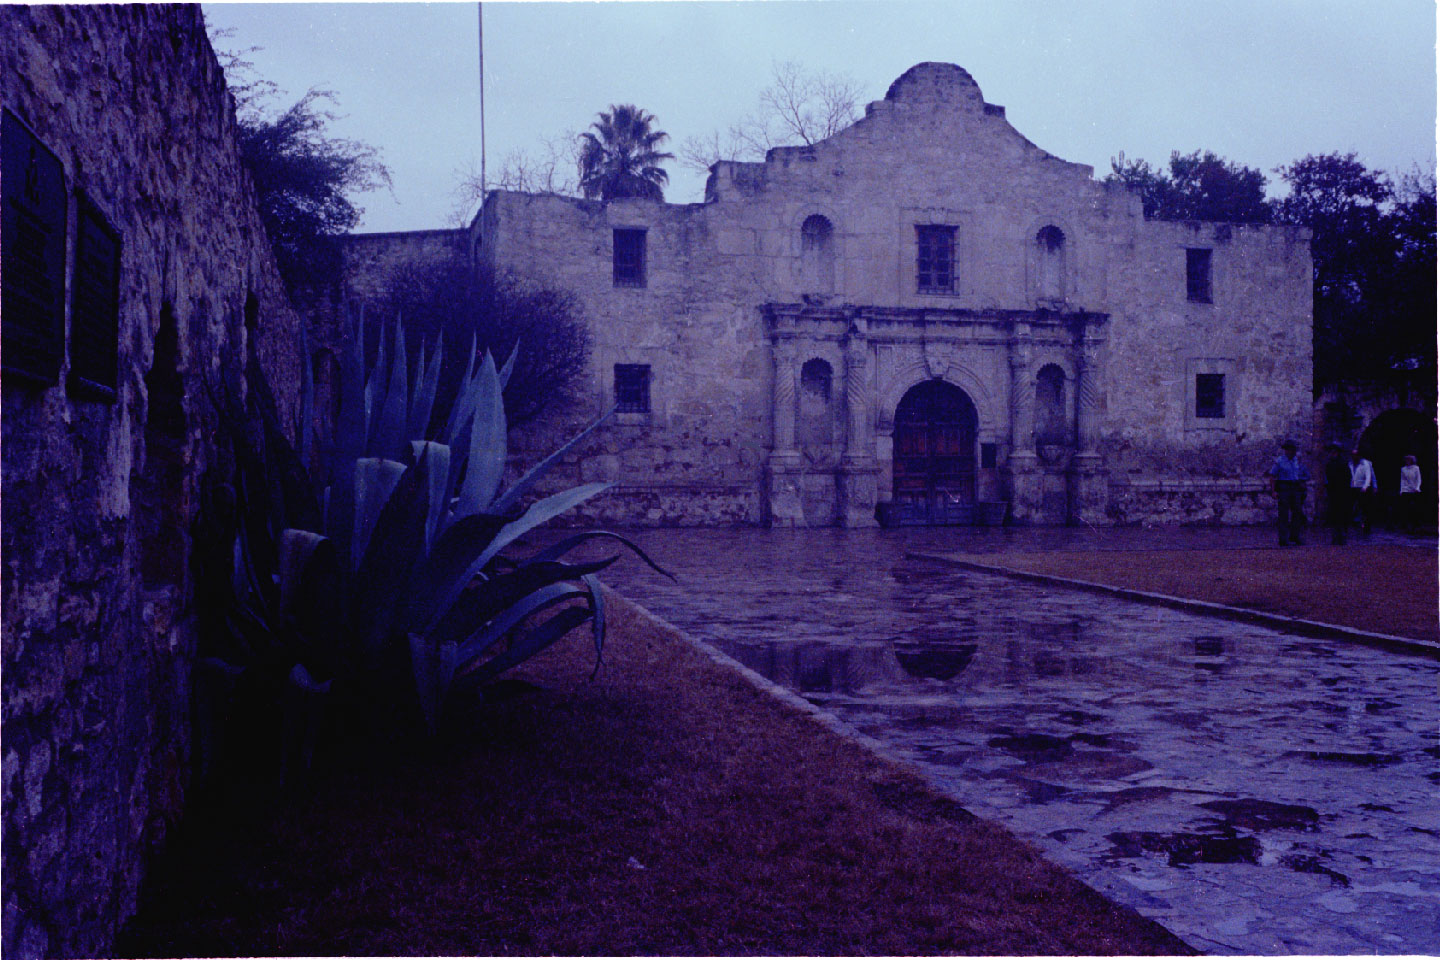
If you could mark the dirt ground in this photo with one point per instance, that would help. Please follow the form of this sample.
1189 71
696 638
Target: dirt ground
665 807
1385 588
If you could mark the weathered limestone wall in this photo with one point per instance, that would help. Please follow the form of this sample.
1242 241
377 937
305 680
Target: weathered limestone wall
1256 331
697 456
1108 308
98 496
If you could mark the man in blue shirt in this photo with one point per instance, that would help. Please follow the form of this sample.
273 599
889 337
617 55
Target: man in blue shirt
1288 477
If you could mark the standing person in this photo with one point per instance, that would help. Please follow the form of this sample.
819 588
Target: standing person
1337 494
1288 477
1410 493
1363 488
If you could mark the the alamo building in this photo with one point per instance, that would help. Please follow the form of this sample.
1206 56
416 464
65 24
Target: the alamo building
923 319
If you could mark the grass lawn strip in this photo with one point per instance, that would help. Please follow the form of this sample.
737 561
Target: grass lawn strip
1382 589
667 807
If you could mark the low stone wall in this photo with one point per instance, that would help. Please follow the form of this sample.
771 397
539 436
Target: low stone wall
655 506
1190 501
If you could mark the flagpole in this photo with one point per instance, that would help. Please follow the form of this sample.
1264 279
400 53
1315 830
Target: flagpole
480 23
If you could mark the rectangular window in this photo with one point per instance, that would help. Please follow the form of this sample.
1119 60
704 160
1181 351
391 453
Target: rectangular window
1197 275
632 388
32 255
935 259
1210 396
94 304
988 455
628 261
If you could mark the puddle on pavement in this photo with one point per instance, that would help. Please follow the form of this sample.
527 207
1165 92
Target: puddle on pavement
1183 849
1128 741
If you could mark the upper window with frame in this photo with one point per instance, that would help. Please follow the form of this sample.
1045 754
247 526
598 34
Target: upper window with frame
628 257
94 304
632 388
1197 275
32 255
934 258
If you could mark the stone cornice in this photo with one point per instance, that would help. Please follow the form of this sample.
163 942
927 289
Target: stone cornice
788 315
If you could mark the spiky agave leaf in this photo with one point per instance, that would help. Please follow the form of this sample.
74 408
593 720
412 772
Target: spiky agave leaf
597 617
389 439
486 461
432 668
529 645
557 550
427 381
395 546
437 474
375 481
533 475
483 639
484 600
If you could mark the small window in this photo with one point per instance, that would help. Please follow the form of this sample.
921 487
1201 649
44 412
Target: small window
1210 396
988 455
32 251
935 259
1197 275
632 388
629 258
94 305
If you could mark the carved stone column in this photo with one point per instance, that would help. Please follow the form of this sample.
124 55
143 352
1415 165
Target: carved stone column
1089 484
1023 465
856 481
783 395
782 480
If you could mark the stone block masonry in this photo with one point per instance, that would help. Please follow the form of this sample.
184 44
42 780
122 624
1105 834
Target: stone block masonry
101 472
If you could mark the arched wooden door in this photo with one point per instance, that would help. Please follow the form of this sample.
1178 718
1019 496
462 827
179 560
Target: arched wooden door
935 430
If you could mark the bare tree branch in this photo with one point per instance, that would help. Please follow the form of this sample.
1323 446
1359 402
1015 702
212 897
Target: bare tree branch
799 108
549 167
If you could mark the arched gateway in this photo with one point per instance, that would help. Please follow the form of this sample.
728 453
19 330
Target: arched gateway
934 468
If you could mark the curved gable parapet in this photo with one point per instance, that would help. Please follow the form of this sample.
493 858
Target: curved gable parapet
937 83
928 105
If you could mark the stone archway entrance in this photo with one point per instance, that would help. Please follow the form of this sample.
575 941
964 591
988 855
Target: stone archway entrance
934 458
1388 439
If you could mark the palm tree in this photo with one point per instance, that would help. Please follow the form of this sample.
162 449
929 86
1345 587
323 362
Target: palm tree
620 158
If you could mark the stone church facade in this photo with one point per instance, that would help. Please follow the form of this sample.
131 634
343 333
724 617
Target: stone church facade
923 319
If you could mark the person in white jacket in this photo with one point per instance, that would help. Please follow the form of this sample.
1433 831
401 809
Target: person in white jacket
1362 488
1410 493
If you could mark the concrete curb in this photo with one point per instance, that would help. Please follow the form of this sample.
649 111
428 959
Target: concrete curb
1306 628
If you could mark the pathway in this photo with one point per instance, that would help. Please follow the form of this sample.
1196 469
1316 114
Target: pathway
1253 791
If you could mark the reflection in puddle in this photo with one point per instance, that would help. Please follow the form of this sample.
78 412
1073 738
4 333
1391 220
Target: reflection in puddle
1183 849
935 662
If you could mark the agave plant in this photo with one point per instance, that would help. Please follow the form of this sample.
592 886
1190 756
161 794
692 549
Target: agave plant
392 555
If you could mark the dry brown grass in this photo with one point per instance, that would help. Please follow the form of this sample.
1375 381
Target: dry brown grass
666 808
1383 588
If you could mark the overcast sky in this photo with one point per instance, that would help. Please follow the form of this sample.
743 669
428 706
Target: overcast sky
1262 82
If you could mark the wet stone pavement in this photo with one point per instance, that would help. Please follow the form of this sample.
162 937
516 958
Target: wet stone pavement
1253 791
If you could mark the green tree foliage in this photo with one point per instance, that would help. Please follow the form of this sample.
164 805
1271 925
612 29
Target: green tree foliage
1373 246
1198 186
305 180
621 157
448 298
